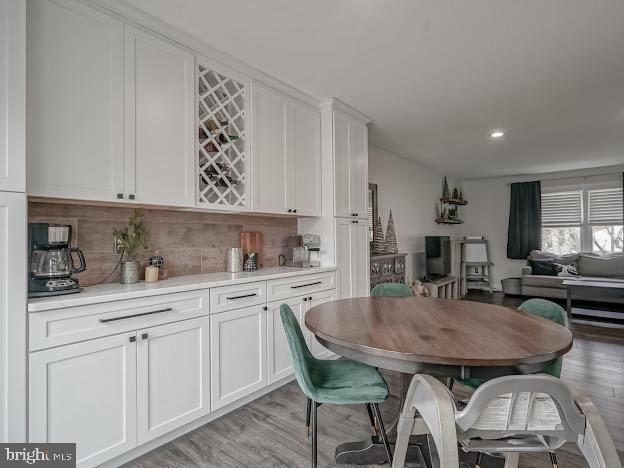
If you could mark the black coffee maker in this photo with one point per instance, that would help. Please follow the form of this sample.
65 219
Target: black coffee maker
51 260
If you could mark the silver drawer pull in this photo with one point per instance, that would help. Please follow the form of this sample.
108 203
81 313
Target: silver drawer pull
241 297
308 284
124 317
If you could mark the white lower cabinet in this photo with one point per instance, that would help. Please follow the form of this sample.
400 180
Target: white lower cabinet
238 354
86 393
173 385
280 363
318 350
352 258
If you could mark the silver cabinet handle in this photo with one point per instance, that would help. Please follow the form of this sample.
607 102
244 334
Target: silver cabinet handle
308 284
124 317
241 297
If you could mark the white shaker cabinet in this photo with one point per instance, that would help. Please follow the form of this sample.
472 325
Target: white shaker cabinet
75 101
270 150
305 181
238 354
286 146
280 363
72 386
159 121
351 166
318 350
12 95
172 376
352 258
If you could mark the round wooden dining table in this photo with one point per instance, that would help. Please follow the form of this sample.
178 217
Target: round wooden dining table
441 337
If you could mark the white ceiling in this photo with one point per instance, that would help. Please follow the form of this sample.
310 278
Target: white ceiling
437 76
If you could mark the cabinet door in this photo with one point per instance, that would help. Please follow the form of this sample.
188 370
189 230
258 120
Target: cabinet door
159 136
317 349
342 175
12 316
12 95
306 155
173 376
237 354
86 393
270 150
279 356
352 258
75 101
358 165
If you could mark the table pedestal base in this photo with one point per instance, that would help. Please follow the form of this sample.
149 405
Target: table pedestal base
372 452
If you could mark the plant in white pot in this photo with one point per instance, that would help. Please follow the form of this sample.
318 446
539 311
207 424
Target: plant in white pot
131 241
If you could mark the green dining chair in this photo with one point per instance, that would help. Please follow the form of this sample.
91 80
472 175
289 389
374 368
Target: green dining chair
542 308
392 290
337 382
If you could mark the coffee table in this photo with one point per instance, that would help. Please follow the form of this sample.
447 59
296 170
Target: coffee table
592 287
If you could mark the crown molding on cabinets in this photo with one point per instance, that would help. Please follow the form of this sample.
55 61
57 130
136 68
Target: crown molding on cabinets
337 104
128 13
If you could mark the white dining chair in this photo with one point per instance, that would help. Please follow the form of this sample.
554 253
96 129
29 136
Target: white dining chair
495 421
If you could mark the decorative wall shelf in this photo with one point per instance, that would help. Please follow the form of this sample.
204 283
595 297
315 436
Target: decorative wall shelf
222 149
449 221
451 201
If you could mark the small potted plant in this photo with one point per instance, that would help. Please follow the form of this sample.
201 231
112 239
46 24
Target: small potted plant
131 241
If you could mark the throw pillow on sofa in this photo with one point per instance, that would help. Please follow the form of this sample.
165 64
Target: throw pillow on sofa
565 270
545 267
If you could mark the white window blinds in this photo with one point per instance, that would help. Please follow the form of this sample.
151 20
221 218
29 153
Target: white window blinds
605 207
562 209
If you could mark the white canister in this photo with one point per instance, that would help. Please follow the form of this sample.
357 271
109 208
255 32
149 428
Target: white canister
234 259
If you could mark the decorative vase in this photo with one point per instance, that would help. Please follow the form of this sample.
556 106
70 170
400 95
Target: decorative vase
235 260
130 272
391 241
250 263
379 246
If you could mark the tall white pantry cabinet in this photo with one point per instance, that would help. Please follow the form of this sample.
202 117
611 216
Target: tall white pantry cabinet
12 222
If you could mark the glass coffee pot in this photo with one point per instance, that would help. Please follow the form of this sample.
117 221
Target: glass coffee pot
56 263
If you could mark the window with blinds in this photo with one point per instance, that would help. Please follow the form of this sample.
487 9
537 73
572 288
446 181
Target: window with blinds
605 207
562 209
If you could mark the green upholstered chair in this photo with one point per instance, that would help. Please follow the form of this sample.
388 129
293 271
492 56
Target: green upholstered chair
392 290
338 382
542 308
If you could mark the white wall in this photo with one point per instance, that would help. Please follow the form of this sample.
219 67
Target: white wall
412 192
487 212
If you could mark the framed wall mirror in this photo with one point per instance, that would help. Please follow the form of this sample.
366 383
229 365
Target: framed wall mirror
372 210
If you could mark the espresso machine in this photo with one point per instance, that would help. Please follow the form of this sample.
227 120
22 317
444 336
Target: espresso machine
52 261
302 251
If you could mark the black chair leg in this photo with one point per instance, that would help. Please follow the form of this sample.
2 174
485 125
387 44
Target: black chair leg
371 417
314 433
451 383
478 462
382 432
553 459
308 417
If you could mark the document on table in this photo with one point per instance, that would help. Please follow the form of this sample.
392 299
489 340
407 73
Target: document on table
519 412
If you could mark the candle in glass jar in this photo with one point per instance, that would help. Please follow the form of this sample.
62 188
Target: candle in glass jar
151 274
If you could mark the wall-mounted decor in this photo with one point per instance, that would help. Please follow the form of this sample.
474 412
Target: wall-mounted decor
391 241
449 203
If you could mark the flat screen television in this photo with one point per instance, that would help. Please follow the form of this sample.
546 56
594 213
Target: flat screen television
438 256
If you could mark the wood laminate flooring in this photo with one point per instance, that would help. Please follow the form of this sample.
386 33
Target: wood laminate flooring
270 431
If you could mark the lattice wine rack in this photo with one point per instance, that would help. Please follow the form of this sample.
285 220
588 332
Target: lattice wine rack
223 168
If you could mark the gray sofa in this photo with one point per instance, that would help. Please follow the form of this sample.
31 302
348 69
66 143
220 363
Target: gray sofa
589 265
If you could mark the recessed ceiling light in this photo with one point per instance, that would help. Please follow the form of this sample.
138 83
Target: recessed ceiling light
497 134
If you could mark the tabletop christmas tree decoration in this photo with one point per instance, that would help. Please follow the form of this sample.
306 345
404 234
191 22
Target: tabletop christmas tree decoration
446 193
391 240
379 246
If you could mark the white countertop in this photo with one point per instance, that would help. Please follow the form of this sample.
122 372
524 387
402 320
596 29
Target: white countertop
115 292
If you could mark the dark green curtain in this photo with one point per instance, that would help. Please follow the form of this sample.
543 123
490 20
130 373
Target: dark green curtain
525 219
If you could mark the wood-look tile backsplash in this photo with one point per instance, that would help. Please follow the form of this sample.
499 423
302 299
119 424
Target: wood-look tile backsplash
190 242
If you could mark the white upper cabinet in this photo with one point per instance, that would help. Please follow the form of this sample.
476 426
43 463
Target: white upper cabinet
75 101
351 166
305 179
12 95
270 148
159 135
286 154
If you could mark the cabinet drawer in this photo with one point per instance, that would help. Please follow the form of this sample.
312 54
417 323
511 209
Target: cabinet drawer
300 285
239 295
59 327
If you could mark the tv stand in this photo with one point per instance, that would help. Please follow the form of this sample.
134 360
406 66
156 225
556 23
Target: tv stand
445 287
